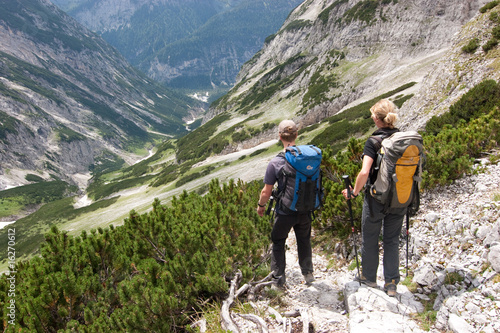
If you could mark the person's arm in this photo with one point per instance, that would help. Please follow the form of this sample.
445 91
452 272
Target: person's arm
265 194
362 177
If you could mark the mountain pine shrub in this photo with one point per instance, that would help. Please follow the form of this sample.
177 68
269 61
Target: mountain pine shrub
490 44
477 101
151 274
488 6
472 46
334 215
451 153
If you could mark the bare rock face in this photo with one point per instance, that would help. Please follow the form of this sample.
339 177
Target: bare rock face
453 74
361 52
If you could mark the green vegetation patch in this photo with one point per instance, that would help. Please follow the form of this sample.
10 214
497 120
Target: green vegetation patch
322 81
452 151
200 143
274 81
362 11
106 162
488 6
297 25
99 191
149 274
67 135
31 229
477 101
353 121
14 200
472 46
325 14
8 125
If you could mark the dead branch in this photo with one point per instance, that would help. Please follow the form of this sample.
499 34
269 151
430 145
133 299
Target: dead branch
255 287
227 321
292 313
257 320
279 318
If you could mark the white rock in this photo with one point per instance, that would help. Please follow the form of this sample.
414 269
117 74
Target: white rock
425 277
494 258
459 325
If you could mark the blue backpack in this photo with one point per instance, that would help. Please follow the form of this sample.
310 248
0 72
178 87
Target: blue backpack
302 190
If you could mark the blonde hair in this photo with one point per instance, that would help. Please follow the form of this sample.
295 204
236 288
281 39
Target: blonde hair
385 110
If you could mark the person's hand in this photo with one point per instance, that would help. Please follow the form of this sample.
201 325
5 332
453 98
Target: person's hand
260 210
344 193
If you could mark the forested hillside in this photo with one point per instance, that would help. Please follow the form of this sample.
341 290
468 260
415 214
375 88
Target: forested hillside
70 103
190 44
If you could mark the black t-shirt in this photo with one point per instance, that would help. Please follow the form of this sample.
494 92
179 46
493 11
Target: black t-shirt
372 146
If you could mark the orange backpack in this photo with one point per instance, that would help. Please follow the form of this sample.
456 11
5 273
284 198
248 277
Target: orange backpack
399 164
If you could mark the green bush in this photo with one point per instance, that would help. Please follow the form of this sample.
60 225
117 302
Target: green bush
488 6
472 46
33 178
478 100
491 44
451 153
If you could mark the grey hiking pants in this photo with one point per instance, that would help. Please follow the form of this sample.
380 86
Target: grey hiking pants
371 226
301 224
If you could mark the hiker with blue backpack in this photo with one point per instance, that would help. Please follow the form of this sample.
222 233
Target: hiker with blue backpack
296 170
392 162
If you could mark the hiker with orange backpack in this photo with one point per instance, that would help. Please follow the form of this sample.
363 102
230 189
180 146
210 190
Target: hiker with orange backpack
386 200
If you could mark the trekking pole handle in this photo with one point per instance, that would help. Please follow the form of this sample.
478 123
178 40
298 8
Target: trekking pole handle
270 207
347 183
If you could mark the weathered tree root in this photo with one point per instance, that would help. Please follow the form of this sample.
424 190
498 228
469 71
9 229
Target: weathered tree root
229 324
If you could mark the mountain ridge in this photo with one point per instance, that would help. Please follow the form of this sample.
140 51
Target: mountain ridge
192 45
69 89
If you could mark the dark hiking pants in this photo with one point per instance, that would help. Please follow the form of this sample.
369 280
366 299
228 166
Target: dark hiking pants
301 224
391 224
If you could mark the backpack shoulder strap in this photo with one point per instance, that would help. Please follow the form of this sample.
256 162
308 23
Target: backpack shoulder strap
377 140
283 175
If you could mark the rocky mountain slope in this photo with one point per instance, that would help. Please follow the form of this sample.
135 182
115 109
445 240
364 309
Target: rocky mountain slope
195 44
455 72
330 55
69 102
453 284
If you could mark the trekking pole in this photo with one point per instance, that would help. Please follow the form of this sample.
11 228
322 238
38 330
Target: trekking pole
408 212
270 208
347 183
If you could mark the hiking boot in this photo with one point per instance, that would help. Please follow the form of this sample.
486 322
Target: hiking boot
279 281
391 288
309 277
368 283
